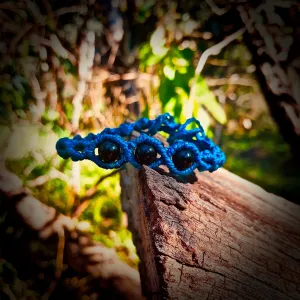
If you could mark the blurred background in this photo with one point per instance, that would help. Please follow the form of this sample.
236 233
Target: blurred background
74 67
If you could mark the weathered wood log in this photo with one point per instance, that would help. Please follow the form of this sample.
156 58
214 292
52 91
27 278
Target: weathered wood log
220 237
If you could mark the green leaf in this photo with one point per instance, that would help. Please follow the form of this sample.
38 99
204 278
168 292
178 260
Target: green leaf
147 57
166 91
182 81
174 107
199 87
169 72
214 107
18 99
186 104
144 50
146 111
180 62
202 115
153 60
170 106
204 96
187 53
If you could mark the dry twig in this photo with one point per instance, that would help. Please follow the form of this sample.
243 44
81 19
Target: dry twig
90 193
216 49
231 80
215 9
52 174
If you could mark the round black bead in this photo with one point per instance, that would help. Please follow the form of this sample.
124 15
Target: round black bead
109 152
183 159
145 154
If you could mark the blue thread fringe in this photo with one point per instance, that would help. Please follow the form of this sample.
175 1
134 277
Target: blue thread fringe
208 156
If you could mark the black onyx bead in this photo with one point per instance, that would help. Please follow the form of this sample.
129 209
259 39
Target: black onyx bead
109 152
145 154
183 159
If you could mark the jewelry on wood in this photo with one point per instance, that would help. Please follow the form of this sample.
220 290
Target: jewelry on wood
188 149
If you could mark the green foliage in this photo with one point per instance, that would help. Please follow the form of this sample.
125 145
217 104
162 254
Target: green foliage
205 97
14 94
181 91
253 156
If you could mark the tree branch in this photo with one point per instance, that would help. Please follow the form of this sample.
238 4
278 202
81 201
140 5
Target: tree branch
90 193
216 49
215 9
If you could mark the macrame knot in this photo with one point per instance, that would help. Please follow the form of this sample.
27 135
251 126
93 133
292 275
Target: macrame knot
188 148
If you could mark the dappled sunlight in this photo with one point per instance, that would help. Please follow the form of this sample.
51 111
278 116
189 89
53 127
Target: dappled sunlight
76 69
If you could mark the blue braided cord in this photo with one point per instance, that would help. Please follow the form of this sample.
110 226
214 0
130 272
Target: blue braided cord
208 156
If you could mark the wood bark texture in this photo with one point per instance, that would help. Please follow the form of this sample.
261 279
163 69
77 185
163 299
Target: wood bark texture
220 237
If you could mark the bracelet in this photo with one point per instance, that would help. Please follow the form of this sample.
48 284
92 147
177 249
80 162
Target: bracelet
188 148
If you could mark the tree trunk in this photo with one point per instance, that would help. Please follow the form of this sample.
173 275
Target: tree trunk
273 38
220 237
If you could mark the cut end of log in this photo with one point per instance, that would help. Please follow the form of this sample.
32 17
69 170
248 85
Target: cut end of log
220 237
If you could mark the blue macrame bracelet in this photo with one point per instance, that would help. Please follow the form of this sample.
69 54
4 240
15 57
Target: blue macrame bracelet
188 148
